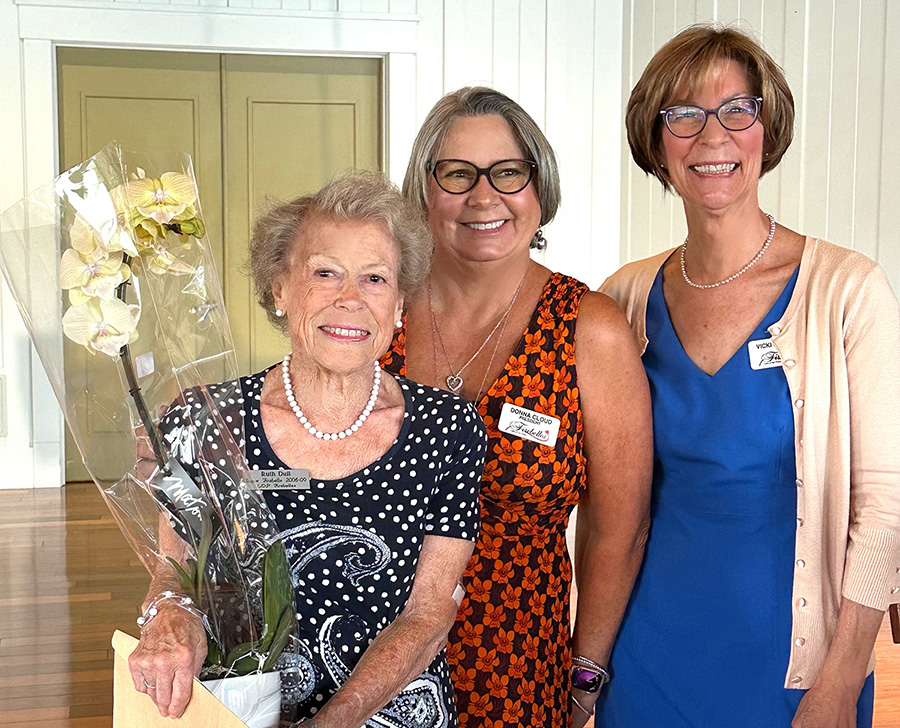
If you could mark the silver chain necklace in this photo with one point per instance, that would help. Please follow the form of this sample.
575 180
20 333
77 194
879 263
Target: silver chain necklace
455 381
762 251
292 401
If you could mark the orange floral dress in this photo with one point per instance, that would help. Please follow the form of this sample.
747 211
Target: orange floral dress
509 649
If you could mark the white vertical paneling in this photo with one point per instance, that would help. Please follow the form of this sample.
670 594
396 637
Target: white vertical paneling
844 102
40 167
468 37
608 135
889 209
15 356
403 6
868 139
841 177
399 69
570 70
505 51
532 82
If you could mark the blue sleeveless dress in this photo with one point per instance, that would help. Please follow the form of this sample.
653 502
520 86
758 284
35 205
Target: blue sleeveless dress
706 638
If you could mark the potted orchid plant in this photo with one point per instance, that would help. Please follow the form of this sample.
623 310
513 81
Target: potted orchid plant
141 296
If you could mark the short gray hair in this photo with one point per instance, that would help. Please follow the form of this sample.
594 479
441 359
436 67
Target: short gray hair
356 197
482 101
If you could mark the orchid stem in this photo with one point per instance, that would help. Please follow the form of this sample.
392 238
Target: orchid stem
134 389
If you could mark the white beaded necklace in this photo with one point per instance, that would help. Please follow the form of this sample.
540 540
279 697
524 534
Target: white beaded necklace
292 401
743 270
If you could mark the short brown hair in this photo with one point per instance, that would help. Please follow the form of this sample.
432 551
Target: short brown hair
357 197
482 101
684 64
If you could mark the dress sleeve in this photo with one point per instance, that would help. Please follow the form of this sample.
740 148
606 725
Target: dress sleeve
872 344
453 509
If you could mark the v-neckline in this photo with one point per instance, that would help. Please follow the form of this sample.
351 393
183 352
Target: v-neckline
520 345
790 283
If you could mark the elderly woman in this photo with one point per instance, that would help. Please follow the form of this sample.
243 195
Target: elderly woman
555 373
390 462
772 359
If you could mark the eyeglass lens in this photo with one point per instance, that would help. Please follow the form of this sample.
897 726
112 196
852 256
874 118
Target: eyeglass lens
735 115
507 176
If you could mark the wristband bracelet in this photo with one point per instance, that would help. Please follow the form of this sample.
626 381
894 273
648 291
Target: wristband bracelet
180 600
581 707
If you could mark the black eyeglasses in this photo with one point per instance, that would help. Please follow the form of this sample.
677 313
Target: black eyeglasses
735 115
507 176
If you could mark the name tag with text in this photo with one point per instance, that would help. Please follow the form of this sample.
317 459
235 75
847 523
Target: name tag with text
528 424
281 479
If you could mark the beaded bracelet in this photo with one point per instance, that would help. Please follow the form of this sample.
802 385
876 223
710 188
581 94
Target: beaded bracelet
185 602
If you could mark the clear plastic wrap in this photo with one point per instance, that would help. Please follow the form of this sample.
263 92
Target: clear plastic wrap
112 256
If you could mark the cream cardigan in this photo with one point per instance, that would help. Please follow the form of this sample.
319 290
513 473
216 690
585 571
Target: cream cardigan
839 340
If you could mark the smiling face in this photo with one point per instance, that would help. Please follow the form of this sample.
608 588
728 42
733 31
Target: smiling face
340 295
717 168
482 224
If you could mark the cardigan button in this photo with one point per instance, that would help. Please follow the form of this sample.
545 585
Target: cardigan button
799 483
801 602
799 521
799 642
895 590
796 679
789 363
801 563
775 330
799 403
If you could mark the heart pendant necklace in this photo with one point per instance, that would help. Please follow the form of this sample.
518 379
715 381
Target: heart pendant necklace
455 380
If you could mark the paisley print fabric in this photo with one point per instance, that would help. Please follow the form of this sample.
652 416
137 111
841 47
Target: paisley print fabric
509 649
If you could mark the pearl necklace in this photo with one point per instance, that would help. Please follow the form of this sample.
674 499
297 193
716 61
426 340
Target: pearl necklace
292 401
743 270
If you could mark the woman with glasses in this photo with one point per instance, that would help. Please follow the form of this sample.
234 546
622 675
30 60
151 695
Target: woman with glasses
773 366
566 423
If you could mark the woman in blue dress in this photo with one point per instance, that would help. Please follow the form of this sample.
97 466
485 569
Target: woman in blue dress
774 367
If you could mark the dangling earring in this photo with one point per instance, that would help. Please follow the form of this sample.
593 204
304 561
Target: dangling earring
279 313
538 242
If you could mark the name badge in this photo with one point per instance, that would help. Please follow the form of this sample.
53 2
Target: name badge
280 479
528 424
763 354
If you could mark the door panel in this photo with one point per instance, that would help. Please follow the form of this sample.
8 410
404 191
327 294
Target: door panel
256 126
150 102
291 124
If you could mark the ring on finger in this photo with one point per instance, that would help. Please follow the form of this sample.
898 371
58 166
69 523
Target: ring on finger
147 685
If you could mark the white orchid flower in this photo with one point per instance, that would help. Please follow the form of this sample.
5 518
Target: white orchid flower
95 276
104 326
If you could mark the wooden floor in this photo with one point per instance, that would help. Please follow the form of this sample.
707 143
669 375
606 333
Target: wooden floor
69 580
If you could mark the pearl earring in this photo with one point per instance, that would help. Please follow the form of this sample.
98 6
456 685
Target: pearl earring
399 323
279 313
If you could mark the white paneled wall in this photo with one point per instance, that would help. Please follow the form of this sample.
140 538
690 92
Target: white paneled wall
562 62
562 59
841 178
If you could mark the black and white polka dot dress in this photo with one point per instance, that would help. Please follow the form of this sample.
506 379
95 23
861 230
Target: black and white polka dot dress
353 543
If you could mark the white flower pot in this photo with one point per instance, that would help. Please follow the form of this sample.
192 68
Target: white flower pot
255 699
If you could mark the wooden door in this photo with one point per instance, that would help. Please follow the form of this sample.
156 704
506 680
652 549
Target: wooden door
291 124
149 102
256 127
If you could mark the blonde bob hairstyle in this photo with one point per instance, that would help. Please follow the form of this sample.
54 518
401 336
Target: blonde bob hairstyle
481 101
367 197
684 65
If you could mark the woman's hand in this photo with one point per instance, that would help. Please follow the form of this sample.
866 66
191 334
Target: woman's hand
170 653
827 706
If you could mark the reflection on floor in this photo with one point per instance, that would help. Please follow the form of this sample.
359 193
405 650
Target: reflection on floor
69 580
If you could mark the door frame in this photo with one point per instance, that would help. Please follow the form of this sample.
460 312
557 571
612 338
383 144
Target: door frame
394 37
